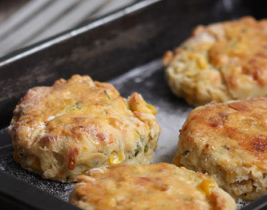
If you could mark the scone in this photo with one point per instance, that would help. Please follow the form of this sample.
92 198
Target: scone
220 62
157 186
228 141
61 131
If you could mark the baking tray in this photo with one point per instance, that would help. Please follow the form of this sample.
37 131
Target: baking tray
124 48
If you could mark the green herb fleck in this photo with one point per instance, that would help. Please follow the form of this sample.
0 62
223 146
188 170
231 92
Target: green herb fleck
95 162
137 150
106 93
187 200
77 105
233 43
146 148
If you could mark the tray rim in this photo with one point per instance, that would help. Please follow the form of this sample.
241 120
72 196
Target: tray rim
68 34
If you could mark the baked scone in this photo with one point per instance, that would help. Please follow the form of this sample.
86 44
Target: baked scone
61 131
156 186
221 62
228 141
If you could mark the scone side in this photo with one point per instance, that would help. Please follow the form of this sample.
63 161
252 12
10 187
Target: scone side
220 61
99 189
63 155
242 178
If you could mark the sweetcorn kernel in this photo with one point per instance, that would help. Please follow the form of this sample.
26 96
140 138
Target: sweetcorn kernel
152 109
115 158
137 103
207 186
115 123
201 63
192 56
190 73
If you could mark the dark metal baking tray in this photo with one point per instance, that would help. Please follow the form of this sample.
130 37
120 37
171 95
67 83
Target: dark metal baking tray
124 48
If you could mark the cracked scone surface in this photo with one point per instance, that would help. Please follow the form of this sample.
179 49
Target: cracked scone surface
220 62
229 141
156 186
77 124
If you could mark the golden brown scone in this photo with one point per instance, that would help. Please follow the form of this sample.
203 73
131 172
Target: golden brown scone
229 141
61 131
157 186
220 62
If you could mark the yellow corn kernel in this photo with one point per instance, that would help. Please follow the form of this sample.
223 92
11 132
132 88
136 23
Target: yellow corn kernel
205 46
207 186
115 123
85 148
152 109
137 103
190 73
192 55
115 158
201 63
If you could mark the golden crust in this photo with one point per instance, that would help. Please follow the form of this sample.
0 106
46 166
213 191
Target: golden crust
220 62
156 186
61 131
228 141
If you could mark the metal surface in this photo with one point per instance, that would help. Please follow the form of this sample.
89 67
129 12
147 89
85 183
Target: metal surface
38 20
124 49
35 198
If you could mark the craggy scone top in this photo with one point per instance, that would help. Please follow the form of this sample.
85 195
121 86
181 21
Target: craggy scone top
228 141
157 186
220 62
61 131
